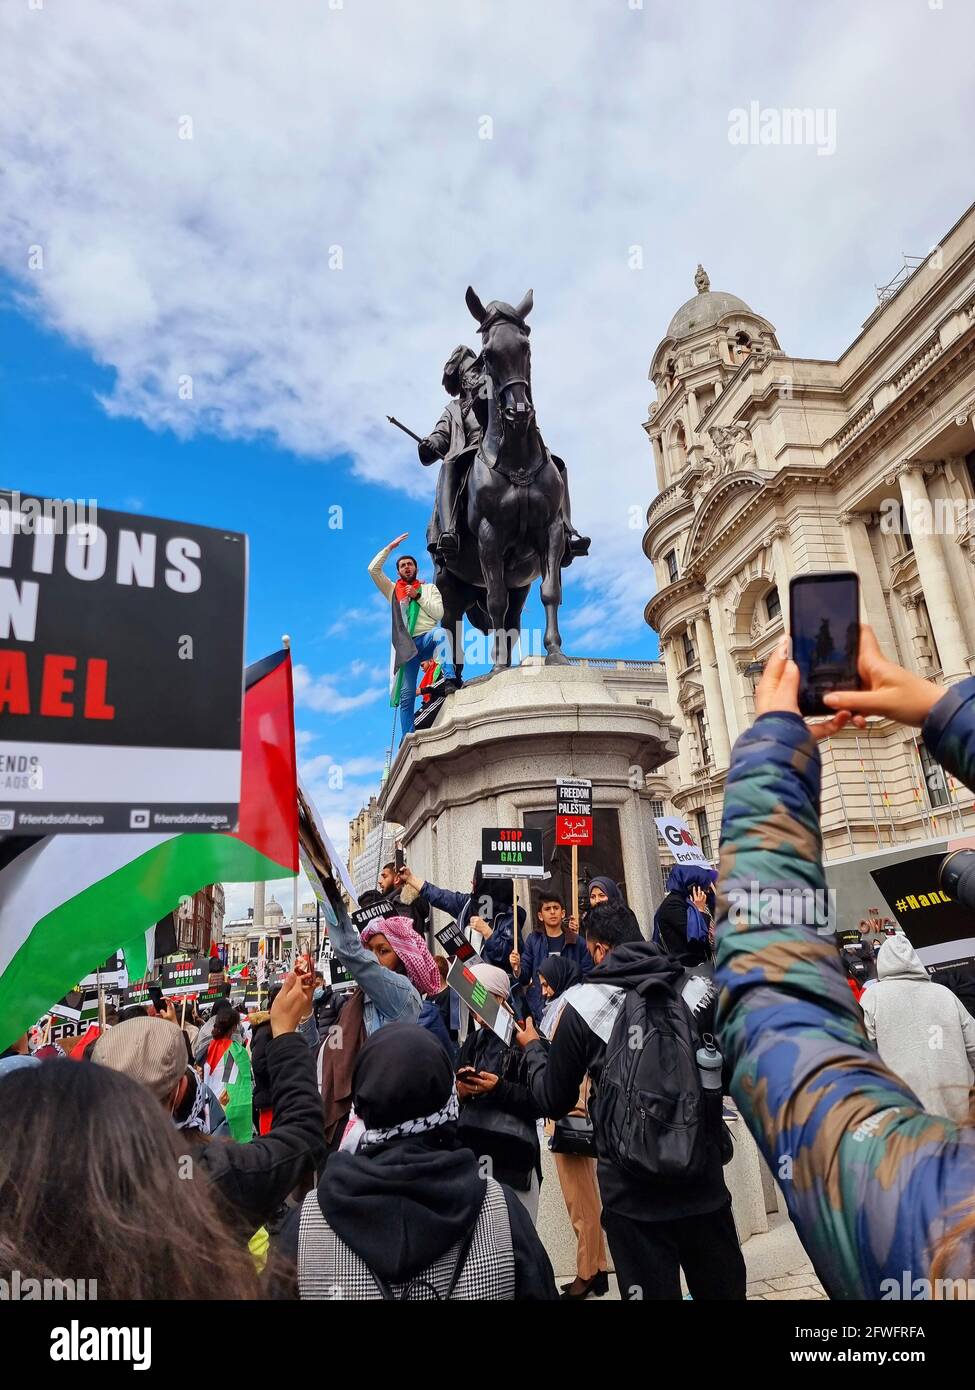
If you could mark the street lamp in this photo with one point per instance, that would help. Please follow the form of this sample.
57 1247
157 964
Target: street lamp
754 671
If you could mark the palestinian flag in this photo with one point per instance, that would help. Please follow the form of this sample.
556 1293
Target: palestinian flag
68 901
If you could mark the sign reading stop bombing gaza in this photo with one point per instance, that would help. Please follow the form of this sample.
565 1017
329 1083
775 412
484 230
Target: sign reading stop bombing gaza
680 841
121 671
512 854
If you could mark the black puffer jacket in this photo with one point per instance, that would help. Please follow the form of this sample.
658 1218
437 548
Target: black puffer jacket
253 1179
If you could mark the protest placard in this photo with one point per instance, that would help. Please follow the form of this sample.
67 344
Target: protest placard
122 674
479 1000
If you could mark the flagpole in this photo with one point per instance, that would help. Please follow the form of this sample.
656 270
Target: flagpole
575 883
286 643
839 789
866 782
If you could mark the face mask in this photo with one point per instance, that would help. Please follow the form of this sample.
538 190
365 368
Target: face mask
319 993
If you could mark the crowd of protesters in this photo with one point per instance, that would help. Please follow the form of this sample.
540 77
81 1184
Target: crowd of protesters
385 1140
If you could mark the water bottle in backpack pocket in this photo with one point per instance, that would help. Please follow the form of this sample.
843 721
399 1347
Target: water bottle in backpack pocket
649 1114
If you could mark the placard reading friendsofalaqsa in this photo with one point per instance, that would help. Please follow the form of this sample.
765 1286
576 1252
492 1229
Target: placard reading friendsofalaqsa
121 670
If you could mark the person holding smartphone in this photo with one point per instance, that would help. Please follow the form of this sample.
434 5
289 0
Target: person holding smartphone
684 922
885 1187
498 1114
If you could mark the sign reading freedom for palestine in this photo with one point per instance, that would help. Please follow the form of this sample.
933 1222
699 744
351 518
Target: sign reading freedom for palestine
512 854
121 671
573 811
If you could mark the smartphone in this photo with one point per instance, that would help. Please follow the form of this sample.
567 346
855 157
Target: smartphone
399 858
156 995
824 623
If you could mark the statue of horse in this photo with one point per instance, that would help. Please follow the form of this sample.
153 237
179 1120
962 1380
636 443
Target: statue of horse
511 528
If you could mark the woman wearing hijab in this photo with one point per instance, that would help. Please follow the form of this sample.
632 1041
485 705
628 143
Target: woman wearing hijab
577 1173
603 889
684 922
409 1215
498 1115
394 971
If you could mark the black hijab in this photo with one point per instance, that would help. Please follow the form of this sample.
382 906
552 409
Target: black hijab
560 973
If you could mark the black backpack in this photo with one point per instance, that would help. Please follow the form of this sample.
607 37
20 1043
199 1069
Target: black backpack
648 1112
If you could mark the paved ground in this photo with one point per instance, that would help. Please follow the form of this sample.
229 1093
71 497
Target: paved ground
777 1264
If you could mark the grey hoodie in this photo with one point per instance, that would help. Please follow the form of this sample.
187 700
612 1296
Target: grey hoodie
922 1031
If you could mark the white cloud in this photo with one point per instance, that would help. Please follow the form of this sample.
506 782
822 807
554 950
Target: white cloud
357 128
321 693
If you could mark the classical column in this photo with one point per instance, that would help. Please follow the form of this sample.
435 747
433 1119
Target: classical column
919 638
658 457
783 566
933 572
693 414
718 728
676 714
873 604
736 716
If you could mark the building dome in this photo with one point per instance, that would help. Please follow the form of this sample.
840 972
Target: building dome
704 311
274 909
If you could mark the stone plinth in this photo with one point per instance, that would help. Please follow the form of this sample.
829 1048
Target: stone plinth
496 752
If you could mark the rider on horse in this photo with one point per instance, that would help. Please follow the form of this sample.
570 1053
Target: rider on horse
456 433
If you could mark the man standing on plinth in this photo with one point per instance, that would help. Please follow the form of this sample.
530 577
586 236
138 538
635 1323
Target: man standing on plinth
415 611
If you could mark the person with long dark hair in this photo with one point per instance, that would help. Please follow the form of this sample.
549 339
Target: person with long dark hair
91 1188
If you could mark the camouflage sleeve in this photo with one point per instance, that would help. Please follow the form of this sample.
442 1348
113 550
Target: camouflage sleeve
869 1178
949 731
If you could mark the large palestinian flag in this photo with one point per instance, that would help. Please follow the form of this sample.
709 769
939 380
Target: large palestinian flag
68 901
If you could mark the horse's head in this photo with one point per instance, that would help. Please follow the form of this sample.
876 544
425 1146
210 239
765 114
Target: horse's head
507 357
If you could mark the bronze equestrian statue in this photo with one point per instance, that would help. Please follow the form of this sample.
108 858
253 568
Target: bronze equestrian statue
502 516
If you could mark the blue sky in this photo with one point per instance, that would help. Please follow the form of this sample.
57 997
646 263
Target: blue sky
286 202
307 577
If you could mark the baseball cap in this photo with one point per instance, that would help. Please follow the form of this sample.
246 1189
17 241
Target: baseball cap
150 1050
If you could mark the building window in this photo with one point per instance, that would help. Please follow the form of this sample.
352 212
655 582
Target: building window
690 656
656 808
703 834
702 737
670 560
664 875
934 781
773 604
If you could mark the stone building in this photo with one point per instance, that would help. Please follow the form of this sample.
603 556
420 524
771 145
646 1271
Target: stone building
769 466
198 921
